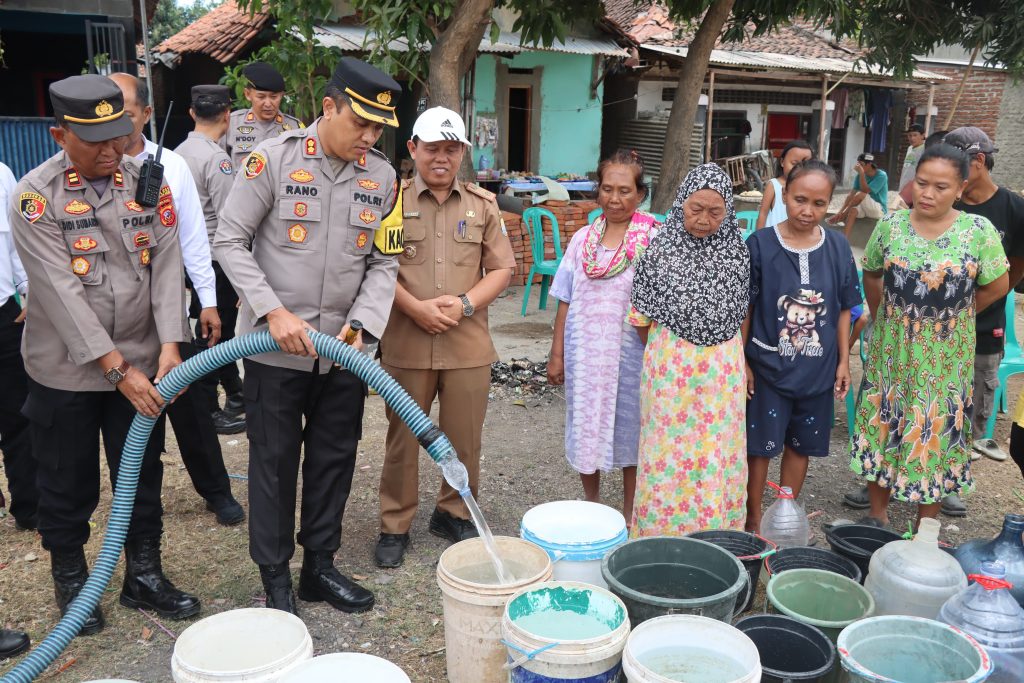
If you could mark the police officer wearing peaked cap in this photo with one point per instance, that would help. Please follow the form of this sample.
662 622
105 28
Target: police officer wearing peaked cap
106 319
263 119
309 237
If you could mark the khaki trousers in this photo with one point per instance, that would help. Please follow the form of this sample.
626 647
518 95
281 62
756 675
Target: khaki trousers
462 395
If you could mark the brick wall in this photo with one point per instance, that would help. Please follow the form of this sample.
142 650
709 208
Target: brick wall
980 104
1009 138
570 217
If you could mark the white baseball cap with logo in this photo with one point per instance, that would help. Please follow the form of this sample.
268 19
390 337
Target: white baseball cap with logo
437 124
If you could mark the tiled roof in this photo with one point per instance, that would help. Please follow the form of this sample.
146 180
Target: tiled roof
650 23
220 34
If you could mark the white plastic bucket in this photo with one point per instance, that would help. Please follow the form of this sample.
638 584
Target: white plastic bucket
545 658
473 611
346 666
251 645
727 649
576 534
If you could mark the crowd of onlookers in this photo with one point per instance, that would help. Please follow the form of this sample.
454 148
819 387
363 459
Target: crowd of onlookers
691 357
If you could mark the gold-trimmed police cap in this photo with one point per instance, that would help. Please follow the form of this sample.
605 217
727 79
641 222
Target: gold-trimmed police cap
372 94
92 106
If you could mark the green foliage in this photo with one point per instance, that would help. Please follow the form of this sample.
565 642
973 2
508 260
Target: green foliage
170 18
304 64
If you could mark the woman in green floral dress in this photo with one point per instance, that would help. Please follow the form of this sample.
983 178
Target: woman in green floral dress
926 273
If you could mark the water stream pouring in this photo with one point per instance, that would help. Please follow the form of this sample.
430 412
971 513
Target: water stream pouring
429 436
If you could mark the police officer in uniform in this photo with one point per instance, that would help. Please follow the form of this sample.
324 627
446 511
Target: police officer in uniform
263 119
213 172
437 342
105 323
308 238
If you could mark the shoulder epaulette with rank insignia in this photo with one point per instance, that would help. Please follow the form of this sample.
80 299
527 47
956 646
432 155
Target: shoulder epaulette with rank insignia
72 178
480 192
118 179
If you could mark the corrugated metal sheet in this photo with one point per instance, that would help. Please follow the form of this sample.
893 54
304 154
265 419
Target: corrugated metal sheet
647 136
352 39
25 143
772 60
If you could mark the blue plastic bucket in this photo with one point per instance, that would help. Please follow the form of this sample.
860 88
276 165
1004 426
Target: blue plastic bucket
576 535
564 632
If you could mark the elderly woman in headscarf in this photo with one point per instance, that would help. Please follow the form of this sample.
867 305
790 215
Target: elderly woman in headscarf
688 303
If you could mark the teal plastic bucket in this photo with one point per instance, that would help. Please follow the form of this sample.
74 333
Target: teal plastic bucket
899 649
564 631
662 575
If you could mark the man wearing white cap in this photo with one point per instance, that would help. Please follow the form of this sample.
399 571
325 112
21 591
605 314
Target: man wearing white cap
457 259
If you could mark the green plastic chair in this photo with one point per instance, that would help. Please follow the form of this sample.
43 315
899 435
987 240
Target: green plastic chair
750 217
546 268
1012 364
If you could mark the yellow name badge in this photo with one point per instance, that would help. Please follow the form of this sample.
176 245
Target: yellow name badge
389 238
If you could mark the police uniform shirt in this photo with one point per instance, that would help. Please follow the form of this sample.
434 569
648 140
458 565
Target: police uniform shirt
106 273
212 171
446 248
308 232
246 131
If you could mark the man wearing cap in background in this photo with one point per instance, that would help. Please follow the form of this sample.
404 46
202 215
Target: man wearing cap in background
1005 209
191 415
870 195
915 147
308 238
263 120
106 317
437 342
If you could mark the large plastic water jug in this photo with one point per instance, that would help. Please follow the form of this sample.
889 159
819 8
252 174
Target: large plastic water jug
784 522
914 578
1006 548
987 611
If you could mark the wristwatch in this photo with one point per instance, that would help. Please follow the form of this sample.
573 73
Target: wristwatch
115 375
467 306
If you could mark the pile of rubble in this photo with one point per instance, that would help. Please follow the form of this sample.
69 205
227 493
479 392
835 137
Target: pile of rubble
521 377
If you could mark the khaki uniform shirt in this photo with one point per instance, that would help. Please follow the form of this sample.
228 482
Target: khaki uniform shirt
213 172
105 272
446 249
306 231
246 131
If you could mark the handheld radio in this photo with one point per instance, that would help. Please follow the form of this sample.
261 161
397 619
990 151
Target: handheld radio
152 175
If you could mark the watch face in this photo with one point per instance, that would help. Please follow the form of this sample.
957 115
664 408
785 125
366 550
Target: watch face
114 375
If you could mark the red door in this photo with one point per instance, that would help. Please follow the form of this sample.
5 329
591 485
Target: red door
782 129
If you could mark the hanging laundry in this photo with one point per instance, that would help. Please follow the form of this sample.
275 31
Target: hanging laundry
881 104
855 105
841 97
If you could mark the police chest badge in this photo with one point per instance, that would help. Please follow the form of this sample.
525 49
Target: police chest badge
368 184
301 208
85 243
367 216
409 251
301 175
226 168
165 207
76 207
297 233
80 266
141 239
133 205
245 130
254 165
32 206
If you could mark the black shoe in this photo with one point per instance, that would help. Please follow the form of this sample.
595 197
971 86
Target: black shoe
26 523
227 510
234 405
70 571
454 529
391 550
228 424
12 642
858 500
319 581
277 583
146 587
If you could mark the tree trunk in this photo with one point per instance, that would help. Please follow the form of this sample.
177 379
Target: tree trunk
960 90
453 52
675 160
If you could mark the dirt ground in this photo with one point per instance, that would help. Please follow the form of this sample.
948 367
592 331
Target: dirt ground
523 465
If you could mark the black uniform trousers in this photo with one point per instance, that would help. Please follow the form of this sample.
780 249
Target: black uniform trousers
191 417
15 440
66 428
227 309
276 400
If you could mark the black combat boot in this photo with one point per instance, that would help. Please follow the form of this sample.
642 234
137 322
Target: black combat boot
277 582
70 571
146 587
234 405
320 582
12 642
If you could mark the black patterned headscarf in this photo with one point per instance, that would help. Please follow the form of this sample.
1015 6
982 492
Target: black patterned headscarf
696 287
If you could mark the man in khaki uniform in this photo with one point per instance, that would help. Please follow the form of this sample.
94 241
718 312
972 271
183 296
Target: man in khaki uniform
437 343
264 120
307 238
106 316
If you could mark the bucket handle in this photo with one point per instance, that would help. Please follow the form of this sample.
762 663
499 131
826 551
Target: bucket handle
527 654
770 550
557 556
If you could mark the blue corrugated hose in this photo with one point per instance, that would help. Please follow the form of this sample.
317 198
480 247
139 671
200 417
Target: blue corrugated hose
429 436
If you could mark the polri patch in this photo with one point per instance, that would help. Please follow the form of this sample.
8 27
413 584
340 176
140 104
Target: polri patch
254 165
76 207
32 206
85 243
367 216
226 168
80 266
297 233
167 217
301 175
301 209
